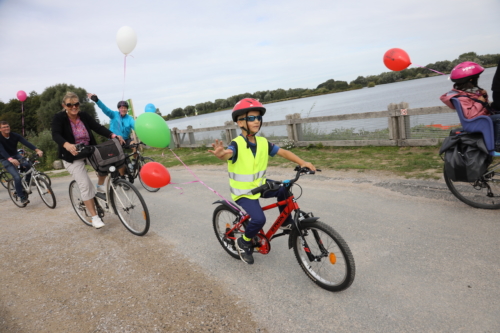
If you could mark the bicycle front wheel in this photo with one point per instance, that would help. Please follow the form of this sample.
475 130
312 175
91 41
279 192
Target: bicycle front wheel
45 192
325 258
45 177
483 193
76 201
5 177
223 221
16 199
130 207
143 161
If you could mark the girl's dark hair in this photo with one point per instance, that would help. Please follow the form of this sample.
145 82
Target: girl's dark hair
469 84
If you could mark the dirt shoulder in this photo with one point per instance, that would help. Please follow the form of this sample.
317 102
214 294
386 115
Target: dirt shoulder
57 277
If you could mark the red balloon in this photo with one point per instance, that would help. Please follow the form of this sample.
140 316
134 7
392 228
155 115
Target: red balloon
21 95
155 175
396 59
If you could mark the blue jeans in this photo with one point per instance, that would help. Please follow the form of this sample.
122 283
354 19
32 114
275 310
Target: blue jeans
496 128
257 217
15 174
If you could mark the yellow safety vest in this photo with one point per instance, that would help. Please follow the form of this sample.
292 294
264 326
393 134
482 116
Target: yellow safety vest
249 171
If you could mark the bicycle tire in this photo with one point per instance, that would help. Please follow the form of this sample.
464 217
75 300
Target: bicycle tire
11 188
141 164
76 201
45 177
45 192
475 194
333 268
224 218
130 207
5 177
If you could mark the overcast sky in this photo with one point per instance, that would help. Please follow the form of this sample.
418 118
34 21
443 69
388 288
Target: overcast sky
194 51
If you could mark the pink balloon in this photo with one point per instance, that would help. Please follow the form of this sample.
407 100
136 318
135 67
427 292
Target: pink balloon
21 95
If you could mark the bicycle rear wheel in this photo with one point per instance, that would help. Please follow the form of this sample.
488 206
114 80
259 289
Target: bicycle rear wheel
223 221
327 260
76 201
45 192
5 177
483 193
11 188
130 207
143 161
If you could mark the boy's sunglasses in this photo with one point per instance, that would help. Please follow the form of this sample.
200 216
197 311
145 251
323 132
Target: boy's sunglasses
252 118
69 105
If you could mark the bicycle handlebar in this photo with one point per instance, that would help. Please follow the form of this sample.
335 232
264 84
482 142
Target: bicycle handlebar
274 185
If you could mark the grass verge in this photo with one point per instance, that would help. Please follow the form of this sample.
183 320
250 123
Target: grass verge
410 162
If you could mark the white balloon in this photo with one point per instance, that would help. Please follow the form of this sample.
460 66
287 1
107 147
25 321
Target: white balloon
126 39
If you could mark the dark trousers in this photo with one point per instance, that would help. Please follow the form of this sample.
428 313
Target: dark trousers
15 173
254 209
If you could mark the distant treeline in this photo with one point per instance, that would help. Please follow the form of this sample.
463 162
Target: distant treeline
332 86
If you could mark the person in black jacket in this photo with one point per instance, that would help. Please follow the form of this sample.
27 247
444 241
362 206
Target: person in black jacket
495 87
71 127
11 159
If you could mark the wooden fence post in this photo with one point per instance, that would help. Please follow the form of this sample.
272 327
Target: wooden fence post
399 123
393 122
191 135
404 122
289 127
175 136
297 128
230 132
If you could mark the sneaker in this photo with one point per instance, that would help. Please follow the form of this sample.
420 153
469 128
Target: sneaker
245 250
97 222
100 188
24 200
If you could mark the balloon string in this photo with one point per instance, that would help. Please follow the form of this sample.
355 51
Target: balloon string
429 69
22 115
201 182
124 74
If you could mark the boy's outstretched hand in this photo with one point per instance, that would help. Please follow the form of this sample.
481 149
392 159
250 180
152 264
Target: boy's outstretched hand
219 151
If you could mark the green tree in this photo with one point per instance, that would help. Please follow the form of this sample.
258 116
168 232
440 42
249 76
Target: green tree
279 94
328 84
268 97
221 104
189 110
51 100
158 112
360 80
177 113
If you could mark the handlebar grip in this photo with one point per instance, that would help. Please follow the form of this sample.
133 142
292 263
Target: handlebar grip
260 189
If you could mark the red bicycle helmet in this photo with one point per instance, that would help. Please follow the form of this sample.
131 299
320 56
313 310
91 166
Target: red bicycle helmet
465 71
246 105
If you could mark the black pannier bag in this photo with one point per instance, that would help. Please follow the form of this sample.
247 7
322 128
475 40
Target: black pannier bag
466 157
107 154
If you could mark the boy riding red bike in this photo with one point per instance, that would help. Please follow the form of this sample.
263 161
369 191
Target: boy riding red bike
247 158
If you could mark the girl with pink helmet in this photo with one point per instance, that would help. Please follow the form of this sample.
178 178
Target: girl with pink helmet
474 100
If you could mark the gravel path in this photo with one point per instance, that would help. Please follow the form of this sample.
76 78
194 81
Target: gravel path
58 276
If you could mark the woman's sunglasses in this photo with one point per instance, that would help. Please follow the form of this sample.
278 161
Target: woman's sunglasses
252 118
69 105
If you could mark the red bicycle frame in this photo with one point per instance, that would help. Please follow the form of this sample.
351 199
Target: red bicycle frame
290 206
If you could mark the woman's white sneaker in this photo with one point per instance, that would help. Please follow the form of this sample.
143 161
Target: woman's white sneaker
97 222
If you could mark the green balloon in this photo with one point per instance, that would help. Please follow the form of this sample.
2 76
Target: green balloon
153 130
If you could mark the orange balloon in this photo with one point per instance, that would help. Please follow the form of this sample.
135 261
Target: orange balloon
396 59
155 175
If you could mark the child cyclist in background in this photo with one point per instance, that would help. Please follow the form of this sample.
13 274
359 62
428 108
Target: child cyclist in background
247 157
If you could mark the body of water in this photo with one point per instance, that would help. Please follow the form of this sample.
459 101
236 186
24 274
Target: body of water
423 92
